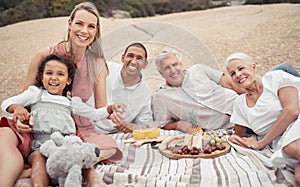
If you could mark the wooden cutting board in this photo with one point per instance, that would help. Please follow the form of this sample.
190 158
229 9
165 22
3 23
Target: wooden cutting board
138 143
163 148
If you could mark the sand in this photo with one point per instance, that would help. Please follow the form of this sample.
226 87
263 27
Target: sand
269 33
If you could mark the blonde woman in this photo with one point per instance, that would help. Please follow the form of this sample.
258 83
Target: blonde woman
83 44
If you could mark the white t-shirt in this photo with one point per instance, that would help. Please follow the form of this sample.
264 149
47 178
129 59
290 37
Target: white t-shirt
137 99
261 117
200 95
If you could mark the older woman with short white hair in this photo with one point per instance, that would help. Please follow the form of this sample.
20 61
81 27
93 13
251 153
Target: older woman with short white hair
270 107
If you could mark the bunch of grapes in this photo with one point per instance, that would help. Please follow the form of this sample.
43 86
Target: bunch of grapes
210 149
214 144
184 150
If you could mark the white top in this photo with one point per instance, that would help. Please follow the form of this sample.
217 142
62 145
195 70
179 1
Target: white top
200 94
30 96
137 99
261 117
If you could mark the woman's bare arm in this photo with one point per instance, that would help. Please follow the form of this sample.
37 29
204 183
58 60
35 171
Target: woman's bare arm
288 97
33 67
100 89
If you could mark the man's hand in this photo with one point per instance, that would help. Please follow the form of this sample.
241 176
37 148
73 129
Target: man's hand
182 126
126 127
117 113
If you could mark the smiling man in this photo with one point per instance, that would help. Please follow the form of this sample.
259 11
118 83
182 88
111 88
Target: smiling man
125 84
193 95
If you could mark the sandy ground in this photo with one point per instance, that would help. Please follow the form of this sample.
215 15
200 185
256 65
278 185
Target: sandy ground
269 33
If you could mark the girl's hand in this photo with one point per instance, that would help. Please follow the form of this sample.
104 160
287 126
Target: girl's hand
25 126
21 114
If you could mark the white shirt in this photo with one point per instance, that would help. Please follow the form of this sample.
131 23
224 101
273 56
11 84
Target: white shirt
201 95
30 96
137 99
261 117
263 114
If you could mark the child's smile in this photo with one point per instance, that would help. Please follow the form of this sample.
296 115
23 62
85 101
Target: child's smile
55 77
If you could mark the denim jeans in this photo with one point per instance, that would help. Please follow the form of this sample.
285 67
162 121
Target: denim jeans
287 67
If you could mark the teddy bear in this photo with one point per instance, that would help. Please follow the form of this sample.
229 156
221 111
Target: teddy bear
66 156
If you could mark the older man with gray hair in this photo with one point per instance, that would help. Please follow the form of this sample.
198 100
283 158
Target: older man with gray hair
199 94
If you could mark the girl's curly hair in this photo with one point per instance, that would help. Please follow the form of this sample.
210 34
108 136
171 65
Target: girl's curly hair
63 59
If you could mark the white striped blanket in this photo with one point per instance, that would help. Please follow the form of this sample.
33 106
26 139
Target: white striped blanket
144 166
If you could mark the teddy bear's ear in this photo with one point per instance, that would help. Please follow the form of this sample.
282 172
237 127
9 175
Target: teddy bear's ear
47 147
57 138
72 139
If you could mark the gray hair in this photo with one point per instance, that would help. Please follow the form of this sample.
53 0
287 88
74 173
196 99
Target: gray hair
164 54
239 56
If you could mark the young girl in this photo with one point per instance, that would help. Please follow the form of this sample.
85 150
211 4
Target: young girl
52 107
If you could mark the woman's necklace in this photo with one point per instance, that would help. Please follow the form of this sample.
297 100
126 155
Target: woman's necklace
252 97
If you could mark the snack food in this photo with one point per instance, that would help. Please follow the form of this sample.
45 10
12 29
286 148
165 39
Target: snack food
205 145
149 133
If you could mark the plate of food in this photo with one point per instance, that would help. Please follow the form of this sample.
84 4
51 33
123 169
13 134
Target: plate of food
208 144
148 135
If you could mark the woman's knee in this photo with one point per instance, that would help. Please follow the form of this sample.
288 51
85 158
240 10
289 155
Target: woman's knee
6 131
106 154
8 136
293 150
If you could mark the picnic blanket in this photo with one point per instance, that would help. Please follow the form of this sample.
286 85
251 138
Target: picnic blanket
145 166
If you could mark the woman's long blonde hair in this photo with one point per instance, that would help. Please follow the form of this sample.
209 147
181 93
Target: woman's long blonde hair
94 52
